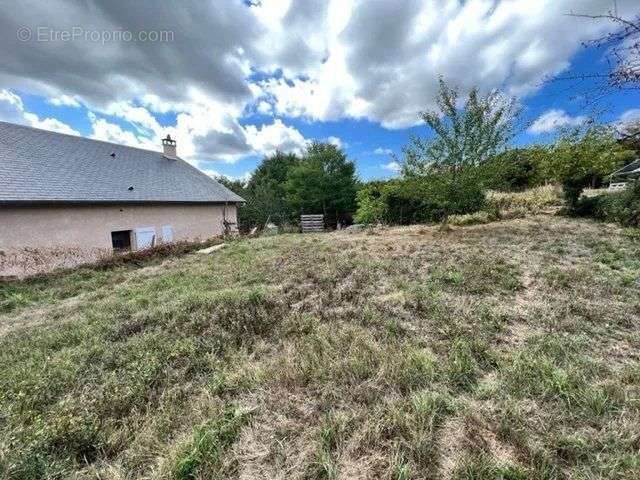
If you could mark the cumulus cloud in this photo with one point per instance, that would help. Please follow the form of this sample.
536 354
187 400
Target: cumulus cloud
336 141
12 110
64 100
382 59
383 151
52 124
554 119
111 132
11 107
319 59
629 123
277 136
632 115
392 166
206 50
204 134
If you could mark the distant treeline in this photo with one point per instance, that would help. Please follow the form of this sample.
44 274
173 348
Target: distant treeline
448 173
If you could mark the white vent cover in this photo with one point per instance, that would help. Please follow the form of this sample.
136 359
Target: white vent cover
145 237
167 233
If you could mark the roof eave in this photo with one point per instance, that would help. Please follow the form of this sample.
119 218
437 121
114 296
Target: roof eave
118 202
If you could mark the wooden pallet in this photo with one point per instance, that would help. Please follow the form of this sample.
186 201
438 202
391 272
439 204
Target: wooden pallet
312 223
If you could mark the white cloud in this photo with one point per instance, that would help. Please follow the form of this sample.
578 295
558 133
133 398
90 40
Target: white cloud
319 59
554 119
64 100
632 115
264 108
11 107
336 141
383 151
380 60
628 122
12 110
392 166
277 136
110 132
244 178
206 130
52 124
140 117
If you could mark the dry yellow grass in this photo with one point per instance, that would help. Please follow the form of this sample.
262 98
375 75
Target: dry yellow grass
508 205
505 350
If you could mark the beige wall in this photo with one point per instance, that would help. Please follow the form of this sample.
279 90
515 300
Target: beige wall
91 226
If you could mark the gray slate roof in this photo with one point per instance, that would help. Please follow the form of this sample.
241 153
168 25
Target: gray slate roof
42 166
629 169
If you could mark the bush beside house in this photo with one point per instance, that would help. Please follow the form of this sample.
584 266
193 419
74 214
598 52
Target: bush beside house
621 207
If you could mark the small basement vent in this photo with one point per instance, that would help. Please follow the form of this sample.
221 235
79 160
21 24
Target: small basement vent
167 233
312 223
121 240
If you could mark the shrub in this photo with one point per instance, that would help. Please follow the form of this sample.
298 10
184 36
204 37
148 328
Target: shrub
372 206
583 156
618 207
514 169
428 198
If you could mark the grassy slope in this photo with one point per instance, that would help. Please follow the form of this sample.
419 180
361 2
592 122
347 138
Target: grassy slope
508 350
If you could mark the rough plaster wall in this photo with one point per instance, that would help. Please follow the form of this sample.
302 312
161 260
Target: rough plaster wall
91 226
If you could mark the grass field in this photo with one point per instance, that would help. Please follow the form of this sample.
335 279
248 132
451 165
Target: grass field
508 350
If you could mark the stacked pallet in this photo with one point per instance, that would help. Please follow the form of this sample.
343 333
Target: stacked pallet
312 223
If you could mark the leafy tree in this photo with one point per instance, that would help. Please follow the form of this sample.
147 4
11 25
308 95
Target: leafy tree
235 185
264 193
273 170
267 197
427 198
372 200
514 169
323 182
465 136
581 156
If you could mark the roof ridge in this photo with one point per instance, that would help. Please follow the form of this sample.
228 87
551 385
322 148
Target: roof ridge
82 137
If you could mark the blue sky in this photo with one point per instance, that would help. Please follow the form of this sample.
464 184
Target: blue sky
237 81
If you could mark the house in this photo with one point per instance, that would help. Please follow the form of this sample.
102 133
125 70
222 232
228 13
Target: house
629 172
59 191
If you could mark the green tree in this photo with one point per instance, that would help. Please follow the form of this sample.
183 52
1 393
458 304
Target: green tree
582 156
267 198
273 170
323 182
235 185
464 136
418 199
514 169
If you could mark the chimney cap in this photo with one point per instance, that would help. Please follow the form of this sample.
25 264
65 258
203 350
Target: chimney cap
169 148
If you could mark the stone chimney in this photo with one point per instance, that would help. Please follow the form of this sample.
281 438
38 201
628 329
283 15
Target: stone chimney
169 147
